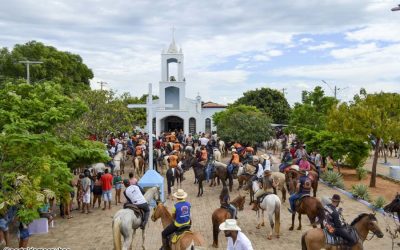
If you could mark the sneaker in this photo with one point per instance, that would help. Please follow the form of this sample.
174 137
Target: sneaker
290 211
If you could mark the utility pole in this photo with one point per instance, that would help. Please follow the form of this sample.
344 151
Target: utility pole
28 63
102 84
284 91
335 90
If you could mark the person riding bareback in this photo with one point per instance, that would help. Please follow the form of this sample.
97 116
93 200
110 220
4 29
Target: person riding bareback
181 216
173 159
303 188
269 184
336 220
134 195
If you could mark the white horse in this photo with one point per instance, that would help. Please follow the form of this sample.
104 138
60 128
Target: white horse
217 154
221 146
125 223
272 204
99 167
117 161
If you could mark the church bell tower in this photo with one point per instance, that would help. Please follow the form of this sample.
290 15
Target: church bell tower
172 84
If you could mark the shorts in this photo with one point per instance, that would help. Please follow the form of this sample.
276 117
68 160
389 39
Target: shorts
97 190
3 225
118 186
107 195
24 233
86 198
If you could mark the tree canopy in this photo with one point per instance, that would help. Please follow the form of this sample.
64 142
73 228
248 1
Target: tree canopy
313 111
269 101
245 124
369 114
62 67
36 151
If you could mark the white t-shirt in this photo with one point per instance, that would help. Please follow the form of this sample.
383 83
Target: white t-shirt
241 243
119 147
134 194
203 141
267 165
260 172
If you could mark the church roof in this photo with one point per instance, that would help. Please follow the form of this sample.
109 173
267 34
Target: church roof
213 105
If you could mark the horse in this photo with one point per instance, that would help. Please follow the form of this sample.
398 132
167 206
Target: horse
138 163
187 240
125 222
221 214
308 205
292 176
198 169
222 148
394 206
117 161
272 205
314 239
221 172
217 154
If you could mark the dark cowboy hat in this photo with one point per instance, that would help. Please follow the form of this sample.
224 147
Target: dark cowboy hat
335 198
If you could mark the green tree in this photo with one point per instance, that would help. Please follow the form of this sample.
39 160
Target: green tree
245 124
270 101
376 115
62 67
35 153
313 110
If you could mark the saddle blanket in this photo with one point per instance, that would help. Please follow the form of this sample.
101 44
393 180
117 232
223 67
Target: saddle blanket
334 240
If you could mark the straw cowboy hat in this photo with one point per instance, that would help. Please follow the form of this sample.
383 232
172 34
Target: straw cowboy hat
180 194
265 156
233 150
256 159
229 225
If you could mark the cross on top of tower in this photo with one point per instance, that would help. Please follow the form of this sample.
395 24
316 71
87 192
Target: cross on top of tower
172 47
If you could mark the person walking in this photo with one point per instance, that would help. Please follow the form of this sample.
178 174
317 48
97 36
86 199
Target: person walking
106 186
117 181
236 239
97 190
86 193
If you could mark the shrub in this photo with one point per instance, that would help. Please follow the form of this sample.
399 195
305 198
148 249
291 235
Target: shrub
333 178
360 191
379 202
361 173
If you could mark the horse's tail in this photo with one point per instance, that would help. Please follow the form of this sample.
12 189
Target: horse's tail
117 233
277 216
215 231
320 214
303 241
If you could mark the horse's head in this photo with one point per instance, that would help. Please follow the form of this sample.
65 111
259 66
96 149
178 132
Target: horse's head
239 202
157 211
369 222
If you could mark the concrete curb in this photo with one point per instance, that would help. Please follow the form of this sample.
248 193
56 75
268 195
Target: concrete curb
366 203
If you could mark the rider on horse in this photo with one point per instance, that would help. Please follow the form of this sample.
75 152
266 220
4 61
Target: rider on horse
335 220
181 216
287 160
303 188
224 200
134 195
234 162
268 188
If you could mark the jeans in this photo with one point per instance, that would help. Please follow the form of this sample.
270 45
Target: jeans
146 209
292 200
234 211
208 172
170 229
230 168
342 232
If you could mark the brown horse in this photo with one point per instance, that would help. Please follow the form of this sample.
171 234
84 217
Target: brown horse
293 176
314 239
308 205
221 172
278 178
138 164
221 214
187 239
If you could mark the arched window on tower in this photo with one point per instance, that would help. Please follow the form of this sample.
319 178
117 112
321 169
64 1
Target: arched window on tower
208 125
172 69
192 125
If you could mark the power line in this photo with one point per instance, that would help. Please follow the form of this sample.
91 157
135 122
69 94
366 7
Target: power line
335 90
102 84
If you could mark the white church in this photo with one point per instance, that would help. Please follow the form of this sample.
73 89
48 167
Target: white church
189 115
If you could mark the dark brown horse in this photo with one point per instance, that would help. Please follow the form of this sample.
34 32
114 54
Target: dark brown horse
221 214
308 205
221 172
314 239
198 169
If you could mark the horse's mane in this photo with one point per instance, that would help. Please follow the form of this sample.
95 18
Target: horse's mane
361 216
150 193
237 199
166 212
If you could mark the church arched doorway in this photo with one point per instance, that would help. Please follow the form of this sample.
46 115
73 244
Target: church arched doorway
172 123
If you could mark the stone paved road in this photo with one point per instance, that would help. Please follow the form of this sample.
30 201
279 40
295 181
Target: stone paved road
93 231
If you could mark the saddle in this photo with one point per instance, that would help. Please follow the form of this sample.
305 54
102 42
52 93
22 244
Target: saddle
177 235
298 201
138 212
334 240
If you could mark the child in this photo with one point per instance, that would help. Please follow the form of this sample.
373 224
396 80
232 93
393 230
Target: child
224 201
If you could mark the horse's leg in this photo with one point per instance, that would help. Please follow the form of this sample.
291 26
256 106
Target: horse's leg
299 227
293 216
315 188
143 239
128 240
283 194
261 222
230 179
271 222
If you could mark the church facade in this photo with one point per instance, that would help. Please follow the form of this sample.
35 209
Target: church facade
182 113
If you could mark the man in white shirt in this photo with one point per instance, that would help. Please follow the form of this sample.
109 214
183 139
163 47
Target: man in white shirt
236 239
267 162
203 140
134 196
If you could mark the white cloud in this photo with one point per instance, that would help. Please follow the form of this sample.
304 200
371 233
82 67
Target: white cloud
306 40
359 50
323 46
389 32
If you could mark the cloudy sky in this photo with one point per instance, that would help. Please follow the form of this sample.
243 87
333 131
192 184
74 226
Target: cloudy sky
230 46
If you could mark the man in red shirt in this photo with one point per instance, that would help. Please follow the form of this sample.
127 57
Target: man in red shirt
106 186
